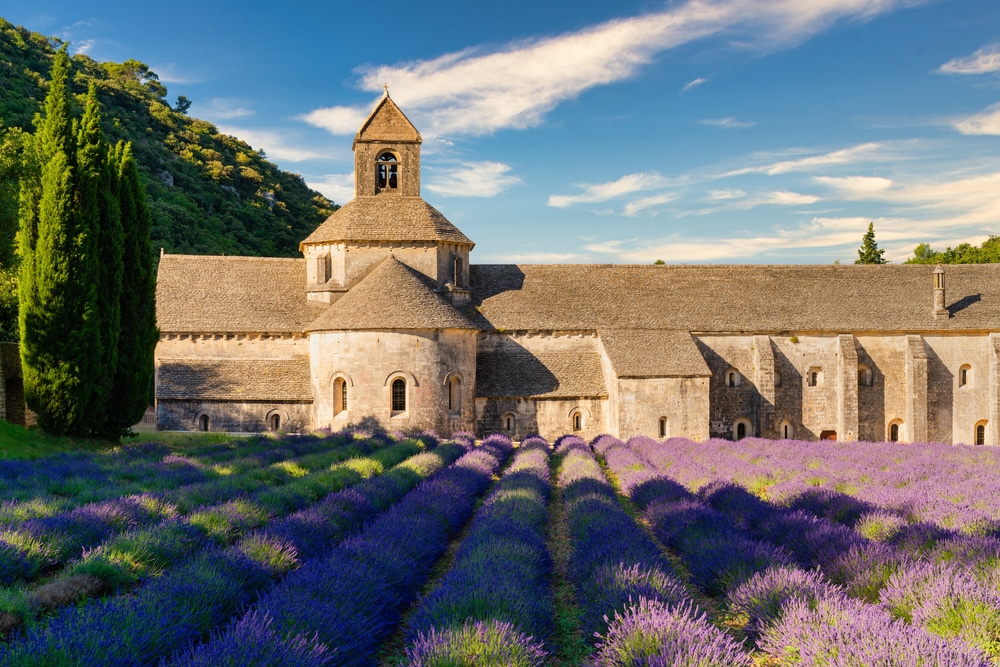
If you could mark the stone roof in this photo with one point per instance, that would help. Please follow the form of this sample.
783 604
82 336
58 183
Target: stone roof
512 370
392 296
388 218
207 294
653 353
733 298
234 379
387 122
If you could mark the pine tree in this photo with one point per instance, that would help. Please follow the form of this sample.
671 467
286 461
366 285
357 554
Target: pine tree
58 297
869 252
133 379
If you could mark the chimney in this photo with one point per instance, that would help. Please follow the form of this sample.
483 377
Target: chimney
939 311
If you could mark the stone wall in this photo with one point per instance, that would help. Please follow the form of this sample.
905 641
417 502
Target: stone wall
548 417
232 416
368 361
955 409
642 402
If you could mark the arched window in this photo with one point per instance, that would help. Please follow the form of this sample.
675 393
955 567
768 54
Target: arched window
456 270
733 378
275 424
741 431
663 427
399 395
339 395
787 430
777 378
981 433
509 424
964 375
741 428
386 172
203 423
895 430
455 395
577 419
864 375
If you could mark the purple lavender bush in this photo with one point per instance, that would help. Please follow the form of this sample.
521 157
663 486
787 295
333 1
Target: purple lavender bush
653 633
475 644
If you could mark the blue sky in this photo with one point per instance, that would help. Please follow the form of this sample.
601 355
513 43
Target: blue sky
765 131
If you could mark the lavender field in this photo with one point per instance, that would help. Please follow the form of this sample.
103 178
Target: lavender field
376 550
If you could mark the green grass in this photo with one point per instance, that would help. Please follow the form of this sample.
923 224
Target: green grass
19 442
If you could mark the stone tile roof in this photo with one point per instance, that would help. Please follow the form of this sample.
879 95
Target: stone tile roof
234 379
387 122
512 370
387 218
392 296
733 298
207 294
653 353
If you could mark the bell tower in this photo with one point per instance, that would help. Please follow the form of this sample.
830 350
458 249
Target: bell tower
387 154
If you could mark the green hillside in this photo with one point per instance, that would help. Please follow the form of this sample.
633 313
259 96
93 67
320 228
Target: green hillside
209 193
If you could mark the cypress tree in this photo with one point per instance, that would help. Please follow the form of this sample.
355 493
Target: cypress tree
133 379
58 299
98 207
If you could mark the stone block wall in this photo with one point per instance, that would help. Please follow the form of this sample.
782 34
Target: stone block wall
232 416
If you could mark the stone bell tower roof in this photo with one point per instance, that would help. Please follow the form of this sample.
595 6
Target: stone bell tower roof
387 124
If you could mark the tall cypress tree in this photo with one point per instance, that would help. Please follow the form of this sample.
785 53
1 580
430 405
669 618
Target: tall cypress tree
58 297
133 380
869 252
97 175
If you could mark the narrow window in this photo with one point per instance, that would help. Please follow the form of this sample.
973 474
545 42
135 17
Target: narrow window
663 427
777 378
894 433
980 434
508 424
813 378
339 395
741 431
203 422
386 172
398 395
577 421
787 430
456 270
964 375
455 395
275 423
732 379
864 375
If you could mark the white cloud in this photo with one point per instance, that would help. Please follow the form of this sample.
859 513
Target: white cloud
856 187
632 208
472 179
223 108
691 84
338 188
476 92
83 46
861 153
274 144
727 122
600 192
987 122
170 73
722 195
983 61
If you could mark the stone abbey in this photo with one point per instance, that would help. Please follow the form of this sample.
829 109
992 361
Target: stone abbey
384 322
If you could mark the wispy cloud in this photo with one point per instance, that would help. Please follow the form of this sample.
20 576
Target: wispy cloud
170 73
727 122
83 46
477 92
723 195
600 192
691 84
337 188
222 108
468 179
275 144
983 61
633 208
867 152
986 122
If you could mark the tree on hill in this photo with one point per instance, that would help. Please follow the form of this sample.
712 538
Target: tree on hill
869 252
74 294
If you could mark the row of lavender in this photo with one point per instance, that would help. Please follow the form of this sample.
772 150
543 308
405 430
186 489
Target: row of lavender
812 590
195 575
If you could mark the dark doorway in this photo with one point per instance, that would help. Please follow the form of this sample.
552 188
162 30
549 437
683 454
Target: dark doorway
828 435
14 401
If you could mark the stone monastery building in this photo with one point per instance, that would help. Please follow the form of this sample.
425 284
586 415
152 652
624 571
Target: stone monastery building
384 321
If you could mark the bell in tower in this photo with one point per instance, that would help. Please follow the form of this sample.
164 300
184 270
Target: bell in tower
387 154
